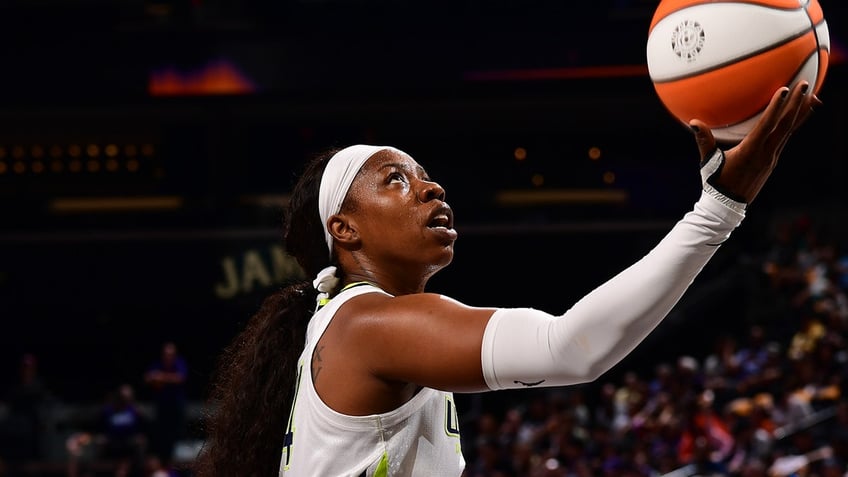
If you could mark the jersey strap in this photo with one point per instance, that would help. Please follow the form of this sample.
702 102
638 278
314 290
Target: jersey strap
324 301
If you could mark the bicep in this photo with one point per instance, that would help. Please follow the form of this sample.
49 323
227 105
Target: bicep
425 339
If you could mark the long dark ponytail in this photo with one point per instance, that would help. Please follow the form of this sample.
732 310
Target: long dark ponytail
253 385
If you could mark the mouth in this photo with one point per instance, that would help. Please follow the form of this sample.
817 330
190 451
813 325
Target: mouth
441 218
441 223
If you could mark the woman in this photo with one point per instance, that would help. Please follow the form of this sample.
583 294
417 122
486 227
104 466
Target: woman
352 374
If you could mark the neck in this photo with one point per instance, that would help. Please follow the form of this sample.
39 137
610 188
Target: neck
395 278
392 286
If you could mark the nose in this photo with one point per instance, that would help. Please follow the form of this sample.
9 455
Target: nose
430 191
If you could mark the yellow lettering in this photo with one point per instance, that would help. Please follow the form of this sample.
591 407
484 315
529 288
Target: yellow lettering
230 286
284 265
254 271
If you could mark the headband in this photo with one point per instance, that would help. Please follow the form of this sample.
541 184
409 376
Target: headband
335 182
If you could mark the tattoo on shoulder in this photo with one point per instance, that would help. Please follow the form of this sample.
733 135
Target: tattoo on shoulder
316 363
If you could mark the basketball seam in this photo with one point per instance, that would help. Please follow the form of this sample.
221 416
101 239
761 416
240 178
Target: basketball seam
737 59
656 21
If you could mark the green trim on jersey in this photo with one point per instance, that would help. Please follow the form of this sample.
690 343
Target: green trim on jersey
382 469
324 301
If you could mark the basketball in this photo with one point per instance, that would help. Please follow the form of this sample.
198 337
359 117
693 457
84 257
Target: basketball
721 61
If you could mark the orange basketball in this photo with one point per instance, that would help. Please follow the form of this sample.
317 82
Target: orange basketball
721 61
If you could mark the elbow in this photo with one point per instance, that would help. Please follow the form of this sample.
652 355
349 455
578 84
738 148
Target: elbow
593 373
581 372
589 367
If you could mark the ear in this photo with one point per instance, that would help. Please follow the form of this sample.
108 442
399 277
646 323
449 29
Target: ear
343 230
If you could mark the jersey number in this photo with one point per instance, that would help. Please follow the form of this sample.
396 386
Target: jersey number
289 438
451 417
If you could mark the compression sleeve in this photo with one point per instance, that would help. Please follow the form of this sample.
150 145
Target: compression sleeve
527 347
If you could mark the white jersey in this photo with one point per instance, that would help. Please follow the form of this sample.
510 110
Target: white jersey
420 438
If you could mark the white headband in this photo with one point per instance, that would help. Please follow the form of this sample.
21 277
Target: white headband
336 180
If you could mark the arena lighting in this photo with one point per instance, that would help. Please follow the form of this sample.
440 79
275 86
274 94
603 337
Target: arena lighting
90 166
266 201
77 157
82 205
522 197
520 154
594 153
217 77
838 56
581 72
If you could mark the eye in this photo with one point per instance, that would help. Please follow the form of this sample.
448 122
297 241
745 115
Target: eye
396 177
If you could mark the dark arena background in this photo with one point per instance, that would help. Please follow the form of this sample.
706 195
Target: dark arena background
147 148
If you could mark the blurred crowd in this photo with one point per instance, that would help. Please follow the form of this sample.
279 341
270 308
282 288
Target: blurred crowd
767 402
118 437
770 401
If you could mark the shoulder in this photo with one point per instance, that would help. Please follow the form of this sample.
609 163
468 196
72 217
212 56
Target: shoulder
377 303
423 338
374 314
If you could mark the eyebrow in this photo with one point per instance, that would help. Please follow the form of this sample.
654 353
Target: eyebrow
420 170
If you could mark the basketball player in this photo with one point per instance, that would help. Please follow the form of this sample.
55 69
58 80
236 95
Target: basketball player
352 373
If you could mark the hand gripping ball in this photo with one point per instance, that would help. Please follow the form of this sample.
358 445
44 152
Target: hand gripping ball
721 61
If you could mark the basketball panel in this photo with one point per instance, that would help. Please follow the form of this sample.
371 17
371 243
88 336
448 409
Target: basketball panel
704 37
736 92
667 7
814 10
809 72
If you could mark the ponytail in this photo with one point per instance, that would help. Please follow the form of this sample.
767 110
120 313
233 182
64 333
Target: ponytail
253 387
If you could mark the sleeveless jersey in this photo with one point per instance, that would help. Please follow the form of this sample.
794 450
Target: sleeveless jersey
420 438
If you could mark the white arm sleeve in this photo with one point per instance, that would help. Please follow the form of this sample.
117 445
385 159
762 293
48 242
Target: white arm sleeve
527 347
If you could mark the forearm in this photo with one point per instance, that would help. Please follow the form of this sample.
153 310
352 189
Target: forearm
525 346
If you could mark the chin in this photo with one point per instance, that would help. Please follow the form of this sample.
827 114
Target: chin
446 258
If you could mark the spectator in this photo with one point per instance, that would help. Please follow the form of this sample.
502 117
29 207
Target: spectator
706 440
21 432
122 433
166 379
153 467
766 386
